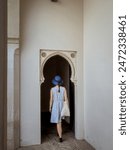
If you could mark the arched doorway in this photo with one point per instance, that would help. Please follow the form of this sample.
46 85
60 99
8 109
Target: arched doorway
56 65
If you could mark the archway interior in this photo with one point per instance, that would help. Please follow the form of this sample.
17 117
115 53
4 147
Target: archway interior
56 65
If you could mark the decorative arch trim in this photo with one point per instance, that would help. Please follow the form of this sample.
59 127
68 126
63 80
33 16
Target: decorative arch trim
69 56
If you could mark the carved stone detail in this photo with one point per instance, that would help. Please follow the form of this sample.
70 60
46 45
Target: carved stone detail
43 54
73 55
70 56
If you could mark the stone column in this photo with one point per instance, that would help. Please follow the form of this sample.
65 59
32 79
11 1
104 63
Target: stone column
3 74
16 99
13 75
13 96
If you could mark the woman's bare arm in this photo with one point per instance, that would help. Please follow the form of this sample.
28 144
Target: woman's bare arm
65 96
50 104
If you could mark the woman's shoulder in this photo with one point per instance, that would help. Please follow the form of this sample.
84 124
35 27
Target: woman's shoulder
63 87
52 88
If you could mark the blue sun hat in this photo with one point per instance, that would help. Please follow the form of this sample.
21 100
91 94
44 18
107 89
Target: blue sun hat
57 80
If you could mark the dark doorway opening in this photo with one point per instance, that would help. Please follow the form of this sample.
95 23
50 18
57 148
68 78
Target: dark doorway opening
56 65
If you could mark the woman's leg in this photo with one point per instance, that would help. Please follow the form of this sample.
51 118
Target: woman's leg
59 129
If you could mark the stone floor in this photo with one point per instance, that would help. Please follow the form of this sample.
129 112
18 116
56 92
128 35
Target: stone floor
69 143
50 141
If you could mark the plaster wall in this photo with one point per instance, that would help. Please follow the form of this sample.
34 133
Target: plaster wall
98 73
13 18
47 25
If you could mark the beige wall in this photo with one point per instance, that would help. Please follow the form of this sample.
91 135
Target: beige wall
98 73
47 25
13 18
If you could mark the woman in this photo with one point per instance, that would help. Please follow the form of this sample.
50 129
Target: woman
57 96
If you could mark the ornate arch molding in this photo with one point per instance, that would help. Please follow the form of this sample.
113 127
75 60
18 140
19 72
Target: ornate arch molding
70 56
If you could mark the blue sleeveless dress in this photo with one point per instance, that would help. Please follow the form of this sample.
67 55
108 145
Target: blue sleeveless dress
57 105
